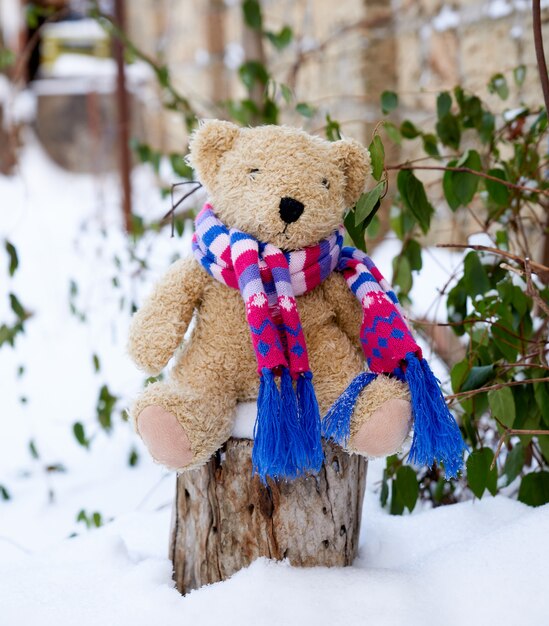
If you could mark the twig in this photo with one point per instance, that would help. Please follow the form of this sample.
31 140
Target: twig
468 170
531 290
513 431
511 383
537 268
540 55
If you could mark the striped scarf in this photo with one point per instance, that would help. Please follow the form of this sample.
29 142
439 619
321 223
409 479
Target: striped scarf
287 434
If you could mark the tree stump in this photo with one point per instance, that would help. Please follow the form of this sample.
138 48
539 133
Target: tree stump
223 518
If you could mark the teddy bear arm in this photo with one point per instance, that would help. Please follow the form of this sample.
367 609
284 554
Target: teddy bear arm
346 307
157 329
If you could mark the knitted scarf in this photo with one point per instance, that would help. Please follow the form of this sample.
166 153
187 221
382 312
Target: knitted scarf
288 429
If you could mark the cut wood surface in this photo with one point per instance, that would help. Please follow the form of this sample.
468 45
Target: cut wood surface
223 518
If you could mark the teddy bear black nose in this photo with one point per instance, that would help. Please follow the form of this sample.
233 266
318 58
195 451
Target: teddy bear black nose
290 210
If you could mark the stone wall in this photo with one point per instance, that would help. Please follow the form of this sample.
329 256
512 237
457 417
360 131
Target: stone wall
344 54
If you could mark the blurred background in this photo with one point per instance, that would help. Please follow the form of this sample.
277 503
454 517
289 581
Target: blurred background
97 101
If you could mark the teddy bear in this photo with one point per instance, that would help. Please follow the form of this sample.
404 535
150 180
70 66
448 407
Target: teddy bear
282 314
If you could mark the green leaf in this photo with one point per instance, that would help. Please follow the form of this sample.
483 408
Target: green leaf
487 127
448 131
97 520
412 251
478 377
180 166
367 203
498 193
286 92
133 458
4 493
333 129
543 443
474 275
18 308
13 258
7 58
448 187
407 485
534 489
96 363
514 462
252 72
479 475
33 450
408 130
252 14
444 104
502 405
465 184
384 494
541 394
397 504
373 224
502 239
389 101
163 76
80 435
305 109
430 144
105 405
377 154
402 274
281 39
498 84
270 112
458 374
356 233
392 132
413 195
519 74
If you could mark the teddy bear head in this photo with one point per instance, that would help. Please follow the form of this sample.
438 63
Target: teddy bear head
276 183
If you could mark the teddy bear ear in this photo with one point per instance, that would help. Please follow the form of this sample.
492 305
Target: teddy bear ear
355 162
207 144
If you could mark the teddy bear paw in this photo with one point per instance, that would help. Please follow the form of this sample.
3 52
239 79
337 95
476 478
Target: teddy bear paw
164 437
384 432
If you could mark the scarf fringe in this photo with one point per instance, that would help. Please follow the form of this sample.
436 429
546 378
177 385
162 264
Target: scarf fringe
310 420
436 434
337 423
287 440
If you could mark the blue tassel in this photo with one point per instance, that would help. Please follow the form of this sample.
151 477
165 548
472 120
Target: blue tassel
310 421
436 434
280 443
292 462
267 433
337 423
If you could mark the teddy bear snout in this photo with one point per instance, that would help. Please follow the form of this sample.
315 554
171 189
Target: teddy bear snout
290 209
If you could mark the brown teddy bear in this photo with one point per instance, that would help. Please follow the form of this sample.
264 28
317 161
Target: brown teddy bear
274 305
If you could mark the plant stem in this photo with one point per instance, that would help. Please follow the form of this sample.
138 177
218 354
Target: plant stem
540 55
511 383
468 170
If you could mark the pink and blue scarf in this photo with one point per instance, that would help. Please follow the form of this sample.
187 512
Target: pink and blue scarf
288 429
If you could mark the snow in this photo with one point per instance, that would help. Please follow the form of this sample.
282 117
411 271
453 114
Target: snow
447 19
498 9
474 562
75 29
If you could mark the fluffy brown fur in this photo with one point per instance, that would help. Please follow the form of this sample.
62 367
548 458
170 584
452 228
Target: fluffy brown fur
216 367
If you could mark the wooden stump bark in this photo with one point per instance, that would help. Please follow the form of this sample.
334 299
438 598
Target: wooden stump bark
223 518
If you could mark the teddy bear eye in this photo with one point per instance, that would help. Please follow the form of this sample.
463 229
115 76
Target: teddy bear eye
253 171
326 183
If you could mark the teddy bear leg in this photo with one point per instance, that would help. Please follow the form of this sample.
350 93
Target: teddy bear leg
381 419
182 428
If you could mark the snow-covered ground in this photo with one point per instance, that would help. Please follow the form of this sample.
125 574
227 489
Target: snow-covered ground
479 562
